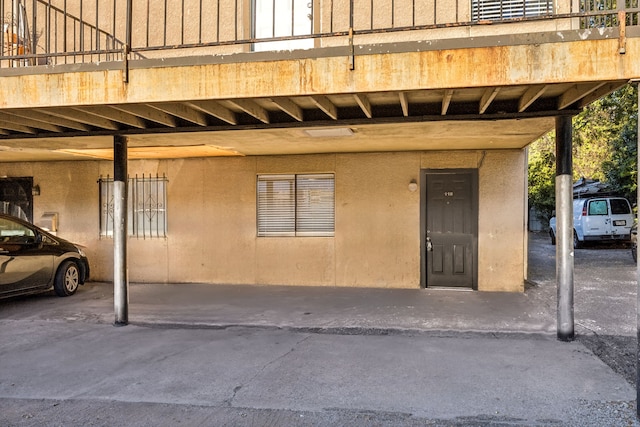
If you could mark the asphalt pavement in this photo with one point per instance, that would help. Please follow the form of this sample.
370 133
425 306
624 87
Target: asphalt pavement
201 354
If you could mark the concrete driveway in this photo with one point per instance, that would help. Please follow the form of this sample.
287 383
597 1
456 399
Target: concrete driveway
251 355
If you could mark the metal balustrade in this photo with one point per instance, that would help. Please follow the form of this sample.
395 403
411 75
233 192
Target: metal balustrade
54 32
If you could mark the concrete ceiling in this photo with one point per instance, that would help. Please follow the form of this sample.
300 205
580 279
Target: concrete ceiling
441 135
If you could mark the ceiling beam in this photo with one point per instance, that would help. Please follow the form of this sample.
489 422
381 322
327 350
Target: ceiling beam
289 107
48 118
446 101
323 103
404 103
251 108
148 113
364 103
10 118
576 93
82 117
487 98
214 109
115 115
530 96
16 128
182 111
601 91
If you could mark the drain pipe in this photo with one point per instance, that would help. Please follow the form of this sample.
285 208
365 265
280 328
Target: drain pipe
120 285
564 227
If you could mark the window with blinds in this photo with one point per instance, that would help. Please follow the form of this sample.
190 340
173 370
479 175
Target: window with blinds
296 205
494 10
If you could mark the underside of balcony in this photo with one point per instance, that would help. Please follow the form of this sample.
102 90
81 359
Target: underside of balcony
493 92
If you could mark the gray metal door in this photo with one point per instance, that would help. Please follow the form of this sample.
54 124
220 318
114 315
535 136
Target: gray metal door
451 228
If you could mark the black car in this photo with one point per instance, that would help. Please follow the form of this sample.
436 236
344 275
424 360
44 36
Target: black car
32 260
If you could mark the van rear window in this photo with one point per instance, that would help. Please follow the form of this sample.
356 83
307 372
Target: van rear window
598 207
619 207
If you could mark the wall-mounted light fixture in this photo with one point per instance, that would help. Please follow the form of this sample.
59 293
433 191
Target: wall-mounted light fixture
35 190
413 185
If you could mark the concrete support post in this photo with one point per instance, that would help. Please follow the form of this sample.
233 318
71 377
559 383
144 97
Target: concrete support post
638 269
120 284
564 227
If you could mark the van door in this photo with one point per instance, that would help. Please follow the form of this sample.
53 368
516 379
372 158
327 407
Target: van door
597 222
621 217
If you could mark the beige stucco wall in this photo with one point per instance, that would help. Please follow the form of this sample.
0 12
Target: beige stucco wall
212 219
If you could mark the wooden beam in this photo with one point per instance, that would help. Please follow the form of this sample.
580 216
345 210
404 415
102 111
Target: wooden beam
487 98
182 111
117 116
251 108
289 107
323 103
35 124
48 118
576 93
82 117
446 101
214 109
148 113
16 128
530 96
602 91
364 103
404 103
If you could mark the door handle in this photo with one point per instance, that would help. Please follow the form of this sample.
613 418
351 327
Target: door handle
429 244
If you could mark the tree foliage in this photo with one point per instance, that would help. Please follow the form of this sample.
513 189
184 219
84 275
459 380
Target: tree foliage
605 139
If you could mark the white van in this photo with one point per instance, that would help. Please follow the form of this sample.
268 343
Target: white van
598 219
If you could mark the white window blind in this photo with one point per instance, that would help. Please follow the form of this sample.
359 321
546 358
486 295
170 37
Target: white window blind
276 205
296 205
315 203
489 10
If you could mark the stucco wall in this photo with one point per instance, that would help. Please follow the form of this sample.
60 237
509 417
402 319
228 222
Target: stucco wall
212 219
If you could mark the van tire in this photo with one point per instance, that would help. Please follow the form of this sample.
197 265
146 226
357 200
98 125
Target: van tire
577 244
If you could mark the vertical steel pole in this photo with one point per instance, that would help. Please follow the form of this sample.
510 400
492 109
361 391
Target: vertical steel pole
564 226
120 284
638 267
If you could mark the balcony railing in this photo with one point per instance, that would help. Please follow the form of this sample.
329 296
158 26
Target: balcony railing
54 32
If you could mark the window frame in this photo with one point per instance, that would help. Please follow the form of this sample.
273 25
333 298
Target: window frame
291 26
303 206
595 208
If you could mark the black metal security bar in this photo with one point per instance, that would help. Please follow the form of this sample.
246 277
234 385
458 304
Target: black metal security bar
52 32
147 215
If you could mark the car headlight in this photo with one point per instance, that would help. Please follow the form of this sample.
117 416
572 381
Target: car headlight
80 251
